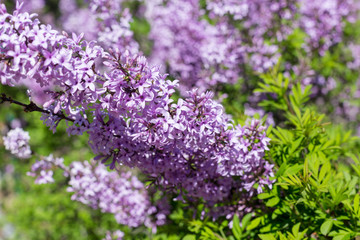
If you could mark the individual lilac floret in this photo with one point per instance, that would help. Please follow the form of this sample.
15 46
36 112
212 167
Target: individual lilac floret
17 142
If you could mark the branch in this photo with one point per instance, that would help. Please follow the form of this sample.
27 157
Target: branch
31 107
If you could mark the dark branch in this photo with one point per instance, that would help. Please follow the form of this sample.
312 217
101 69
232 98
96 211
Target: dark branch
31 107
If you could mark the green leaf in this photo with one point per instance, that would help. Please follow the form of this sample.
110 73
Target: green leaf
295 229
326 226
195 226
356 203
208 232
272 202
324 170
346 236
190 237
268 236
264 196
282 169
293 180
245 221
295 145
293 169
236 227
268 130
254 223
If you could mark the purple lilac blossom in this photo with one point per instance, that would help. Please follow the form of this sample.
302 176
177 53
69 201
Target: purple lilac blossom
200 54
105 21
253 32
205 53
323 21
38 95
17 142
118 193
249 111
260 18
115 192
117 235
43 169
261 56
189 145
355 51
9 169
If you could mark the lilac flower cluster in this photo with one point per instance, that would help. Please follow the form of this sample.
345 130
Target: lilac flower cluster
17 142
118 193
355 51
106 21
324 21
43 169
200 54
191 145
46 58
37 6
205 53
260 18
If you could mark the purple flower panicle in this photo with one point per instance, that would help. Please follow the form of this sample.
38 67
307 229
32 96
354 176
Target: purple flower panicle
43 169
17 142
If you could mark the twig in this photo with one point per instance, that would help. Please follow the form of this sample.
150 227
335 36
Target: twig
31 107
